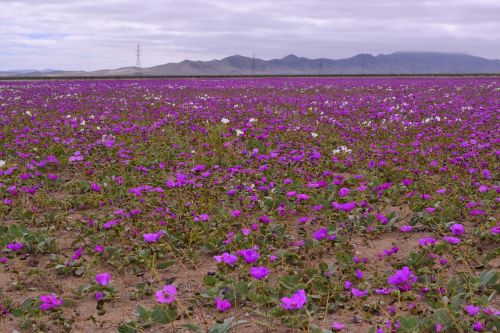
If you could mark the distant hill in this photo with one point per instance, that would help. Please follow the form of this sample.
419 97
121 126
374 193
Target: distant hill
394 63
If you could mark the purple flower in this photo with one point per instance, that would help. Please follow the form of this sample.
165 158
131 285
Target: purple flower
483 188
491 311
235 213
199 167
302 196
227 258
95 187
384 220
495 230
246 231
201 217
486 173
103 279
472 310
359 274
344 192
259 272
359 293
451 240
98 296
320 234
476 212
336 326
152 237
50 302
265 219
403 279
167 294
222 305
99 248
294 302
383 291
347 285
16 246
477 326
407 182
346 207
457 229
303 219
77 254
426 241
406 228
362 188
249 255
76 157
109 141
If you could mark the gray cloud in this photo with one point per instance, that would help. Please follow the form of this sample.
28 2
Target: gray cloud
97 34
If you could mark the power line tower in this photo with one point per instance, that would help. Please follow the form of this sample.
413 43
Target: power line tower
138 69
253 64
320 72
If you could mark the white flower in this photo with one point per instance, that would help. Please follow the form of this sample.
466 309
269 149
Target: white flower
2 163
314 135
224 121
252 120
238 132
341 149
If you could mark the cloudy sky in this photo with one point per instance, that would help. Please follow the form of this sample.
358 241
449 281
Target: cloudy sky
98 34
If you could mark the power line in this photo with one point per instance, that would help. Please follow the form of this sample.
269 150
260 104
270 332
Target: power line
253 64
138 69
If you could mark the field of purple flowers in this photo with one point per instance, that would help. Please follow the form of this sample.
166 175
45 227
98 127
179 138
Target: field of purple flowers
250 205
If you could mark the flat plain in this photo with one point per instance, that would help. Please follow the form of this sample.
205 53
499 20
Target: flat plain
250 205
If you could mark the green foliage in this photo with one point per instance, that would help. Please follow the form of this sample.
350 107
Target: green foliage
224 327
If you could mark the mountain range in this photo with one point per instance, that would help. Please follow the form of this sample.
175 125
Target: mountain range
394 63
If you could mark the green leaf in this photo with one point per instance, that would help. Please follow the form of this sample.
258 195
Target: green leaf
209 280
408 324
159 315
344 258
128 327
171 314
142 312
241 288
226 326
441 316
165 264
193 328
290 281
488 278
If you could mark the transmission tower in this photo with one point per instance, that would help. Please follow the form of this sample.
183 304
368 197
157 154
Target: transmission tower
320 72
253 64
138 69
